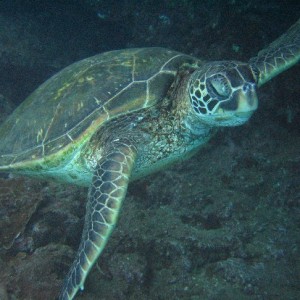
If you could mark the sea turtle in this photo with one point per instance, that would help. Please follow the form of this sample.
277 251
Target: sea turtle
120 115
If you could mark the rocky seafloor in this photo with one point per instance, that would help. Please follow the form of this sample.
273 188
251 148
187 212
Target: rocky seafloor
222 225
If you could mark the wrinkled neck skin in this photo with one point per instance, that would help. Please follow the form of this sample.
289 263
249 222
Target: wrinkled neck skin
182 109
163 134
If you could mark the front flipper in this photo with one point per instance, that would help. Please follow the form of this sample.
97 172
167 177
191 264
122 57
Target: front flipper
278 56
106 194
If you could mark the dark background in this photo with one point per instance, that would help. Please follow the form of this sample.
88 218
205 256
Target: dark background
223 225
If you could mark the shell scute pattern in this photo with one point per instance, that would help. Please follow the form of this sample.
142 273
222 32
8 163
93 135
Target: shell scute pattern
73 104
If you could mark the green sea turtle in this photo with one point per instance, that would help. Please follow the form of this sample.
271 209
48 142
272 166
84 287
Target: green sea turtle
120 115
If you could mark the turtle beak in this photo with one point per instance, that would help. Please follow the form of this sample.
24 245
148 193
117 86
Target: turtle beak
241 107
246 99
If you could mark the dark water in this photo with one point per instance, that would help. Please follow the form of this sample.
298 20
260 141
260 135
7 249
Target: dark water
223 225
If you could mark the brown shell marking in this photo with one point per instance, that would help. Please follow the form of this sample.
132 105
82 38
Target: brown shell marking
65 111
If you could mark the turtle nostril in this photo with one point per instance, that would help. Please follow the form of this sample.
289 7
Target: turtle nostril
248 87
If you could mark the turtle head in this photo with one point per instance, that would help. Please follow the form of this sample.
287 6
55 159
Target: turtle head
223 93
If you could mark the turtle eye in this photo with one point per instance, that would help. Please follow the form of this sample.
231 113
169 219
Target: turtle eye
218 86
